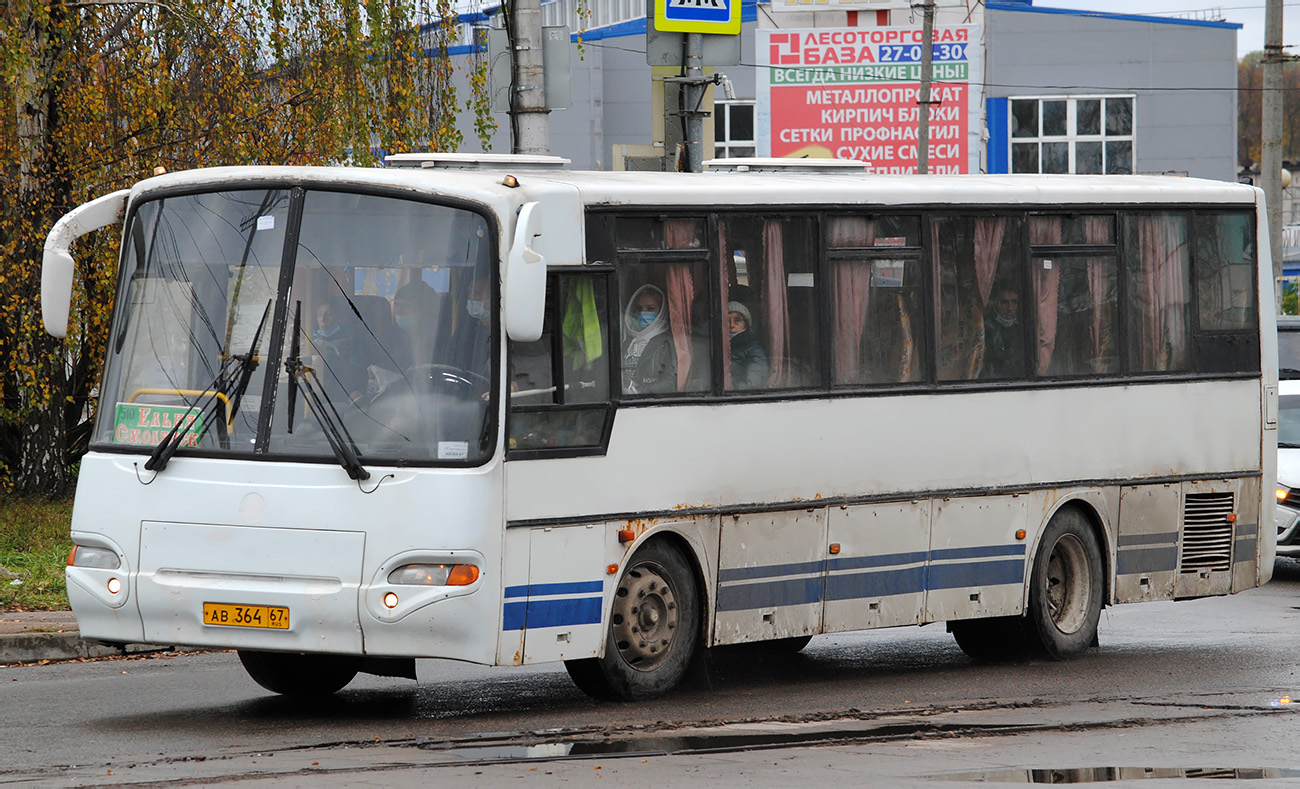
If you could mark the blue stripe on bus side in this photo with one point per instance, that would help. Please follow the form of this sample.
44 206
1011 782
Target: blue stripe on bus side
1131 561
542 590
733 574
883 560
882 583
773 594
768 571
878 583
978 552
562 612
955 576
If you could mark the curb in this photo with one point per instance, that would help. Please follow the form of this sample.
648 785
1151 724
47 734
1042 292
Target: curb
36 647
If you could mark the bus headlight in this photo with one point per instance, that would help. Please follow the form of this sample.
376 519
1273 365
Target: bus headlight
100 558
434 575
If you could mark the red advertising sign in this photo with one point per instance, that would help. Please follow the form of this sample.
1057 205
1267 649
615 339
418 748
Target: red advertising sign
854 94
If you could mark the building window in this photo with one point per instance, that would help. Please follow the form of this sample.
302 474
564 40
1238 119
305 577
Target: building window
1075 134
733 129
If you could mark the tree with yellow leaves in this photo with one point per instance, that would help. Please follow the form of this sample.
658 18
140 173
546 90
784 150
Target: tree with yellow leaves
100 92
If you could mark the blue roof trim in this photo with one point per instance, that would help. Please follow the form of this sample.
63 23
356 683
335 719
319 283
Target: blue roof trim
994 5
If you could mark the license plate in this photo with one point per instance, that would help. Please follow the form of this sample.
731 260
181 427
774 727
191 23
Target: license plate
226 615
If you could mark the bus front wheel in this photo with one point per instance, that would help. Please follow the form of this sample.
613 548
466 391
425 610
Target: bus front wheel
299 675
1065 587
653 629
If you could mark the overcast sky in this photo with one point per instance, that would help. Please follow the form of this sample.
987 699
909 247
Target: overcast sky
1248 13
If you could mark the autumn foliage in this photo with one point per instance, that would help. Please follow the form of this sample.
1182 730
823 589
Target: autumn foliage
99 93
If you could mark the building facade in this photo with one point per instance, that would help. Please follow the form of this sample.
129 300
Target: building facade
1049 90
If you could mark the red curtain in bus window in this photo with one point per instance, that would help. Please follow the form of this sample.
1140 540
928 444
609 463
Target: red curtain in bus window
1045 230
988 248
1161 333
778 322
989 231
852 283
680 234
1098 231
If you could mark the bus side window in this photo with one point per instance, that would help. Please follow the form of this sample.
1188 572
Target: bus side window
1157 271
559 385
1075 293
981 321
663 320
877 320
769 303
1227 329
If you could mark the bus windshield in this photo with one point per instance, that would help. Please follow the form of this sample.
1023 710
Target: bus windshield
303 325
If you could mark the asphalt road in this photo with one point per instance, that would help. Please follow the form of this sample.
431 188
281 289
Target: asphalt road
1174 687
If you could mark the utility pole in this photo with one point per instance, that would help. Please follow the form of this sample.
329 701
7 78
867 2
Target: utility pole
528 102
923 101
693 70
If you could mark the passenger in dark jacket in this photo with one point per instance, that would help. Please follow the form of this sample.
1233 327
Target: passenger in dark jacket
749 367
1004 335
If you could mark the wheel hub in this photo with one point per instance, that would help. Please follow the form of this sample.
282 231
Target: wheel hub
644 619
1068 584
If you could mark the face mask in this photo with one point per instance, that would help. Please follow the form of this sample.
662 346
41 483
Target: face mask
644 319
476 309
325 334
738 332
1006 323
405 321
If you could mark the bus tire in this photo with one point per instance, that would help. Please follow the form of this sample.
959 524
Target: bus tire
653 631
299 675
995 640
792 645
1065 588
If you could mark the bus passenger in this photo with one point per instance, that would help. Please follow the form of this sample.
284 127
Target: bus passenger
649 358
749 365
415 311
336 347
1004 335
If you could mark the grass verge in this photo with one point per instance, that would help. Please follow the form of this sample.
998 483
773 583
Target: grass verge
34 545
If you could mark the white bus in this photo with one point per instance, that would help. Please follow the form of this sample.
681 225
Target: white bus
492 410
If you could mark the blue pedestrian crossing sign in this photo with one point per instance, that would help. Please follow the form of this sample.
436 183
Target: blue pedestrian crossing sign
720 17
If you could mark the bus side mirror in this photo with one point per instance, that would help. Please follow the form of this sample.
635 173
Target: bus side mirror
57 266
525 285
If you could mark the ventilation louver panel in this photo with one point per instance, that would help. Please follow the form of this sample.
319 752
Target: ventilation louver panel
1207 532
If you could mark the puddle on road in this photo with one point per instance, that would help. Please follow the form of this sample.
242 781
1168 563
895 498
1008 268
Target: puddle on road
649 745
1089 775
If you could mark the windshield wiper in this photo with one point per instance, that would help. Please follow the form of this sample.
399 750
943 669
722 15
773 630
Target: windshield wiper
1287 445
327 416
238 375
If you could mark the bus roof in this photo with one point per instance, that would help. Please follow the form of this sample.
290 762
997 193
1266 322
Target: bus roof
813 189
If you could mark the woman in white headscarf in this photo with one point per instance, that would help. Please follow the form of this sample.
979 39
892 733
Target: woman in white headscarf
649 360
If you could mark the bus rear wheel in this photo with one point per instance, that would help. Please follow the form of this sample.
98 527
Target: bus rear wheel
653 629
990 640
1065 588
299 675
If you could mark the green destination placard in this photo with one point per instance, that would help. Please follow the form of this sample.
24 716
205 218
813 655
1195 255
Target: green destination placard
147 425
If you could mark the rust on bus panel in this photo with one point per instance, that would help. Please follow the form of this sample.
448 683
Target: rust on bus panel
638 527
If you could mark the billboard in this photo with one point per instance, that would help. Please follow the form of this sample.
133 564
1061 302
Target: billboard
852 93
